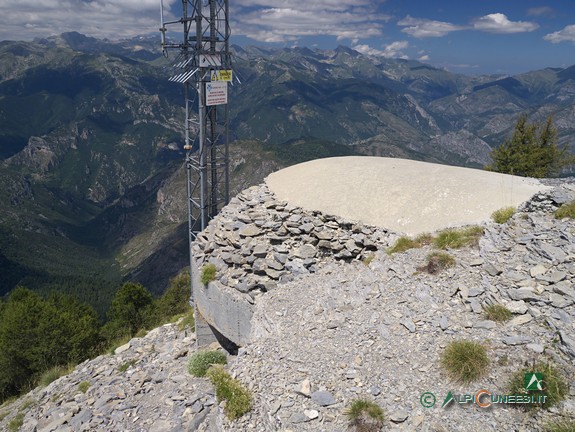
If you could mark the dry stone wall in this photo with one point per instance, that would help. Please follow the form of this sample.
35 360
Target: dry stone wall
258 242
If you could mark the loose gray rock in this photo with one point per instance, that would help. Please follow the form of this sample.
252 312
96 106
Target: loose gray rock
323 398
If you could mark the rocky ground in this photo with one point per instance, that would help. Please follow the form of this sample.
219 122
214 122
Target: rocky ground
351 328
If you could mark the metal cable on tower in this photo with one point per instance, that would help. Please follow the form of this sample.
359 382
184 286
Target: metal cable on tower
203 66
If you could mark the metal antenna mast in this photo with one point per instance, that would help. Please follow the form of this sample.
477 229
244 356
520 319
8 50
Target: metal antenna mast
203 66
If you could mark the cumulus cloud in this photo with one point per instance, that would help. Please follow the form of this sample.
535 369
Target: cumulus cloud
565 35
392 50
285 20
499 23
422 28
114 19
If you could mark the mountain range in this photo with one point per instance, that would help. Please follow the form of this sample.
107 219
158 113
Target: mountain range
92 189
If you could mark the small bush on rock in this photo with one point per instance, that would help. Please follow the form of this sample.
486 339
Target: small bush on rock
554 385
458 238
438 261
402 244
567 210
465 360
208 273
364 415
52 374
561 426
497 313
238 399
201 361
503 215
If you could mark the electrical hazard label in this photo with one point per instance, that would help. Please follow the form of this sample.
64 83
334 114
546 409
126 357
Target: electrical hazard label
216 93
222 75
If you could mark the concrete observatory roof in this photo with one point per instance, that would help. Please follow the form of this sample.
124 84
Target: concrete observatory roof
405 196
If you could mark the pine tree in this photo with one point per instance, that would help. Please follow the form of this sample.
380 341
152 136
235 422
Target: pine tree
532 151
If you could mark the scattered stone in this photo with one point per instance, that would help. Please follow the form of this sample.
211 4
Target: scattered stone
408 324
298 417
538 270
521 319
323 398
399 416
517 307
304 388
492 270
535 347
486 324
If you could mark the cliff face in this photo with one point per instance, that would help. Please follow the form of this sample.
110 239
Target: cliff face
341 329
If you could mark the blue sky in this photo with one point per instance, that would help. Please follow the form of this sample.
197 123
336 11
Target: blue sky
469 36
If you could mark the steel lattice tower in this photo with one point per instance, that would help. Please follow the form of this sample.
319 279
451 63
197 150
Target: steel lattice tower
203 66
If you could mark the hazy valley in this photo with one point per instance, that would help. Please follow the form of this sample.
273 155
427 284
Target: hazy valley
91 177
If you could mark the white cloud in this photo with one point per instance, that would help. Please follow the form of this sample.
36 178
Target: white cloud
114 19
541 11
284 20
423 58
565 35
422 28
499 23
393 50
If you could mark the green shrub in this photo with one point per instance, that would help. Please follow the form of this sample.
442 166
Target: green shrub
465 360
208 273
84 386
364 415
567 210
503 215
53 374
456 238
497 313
238 399
561 426
438 261
187 321
16 423
201 361
125 366
402 244
555 386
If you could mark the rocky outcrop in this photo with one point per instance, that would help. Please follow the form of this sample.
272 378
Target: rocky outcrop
344 328
377 331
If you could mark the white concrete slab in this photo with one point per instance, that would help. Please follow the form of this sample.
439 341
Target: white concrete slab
405 196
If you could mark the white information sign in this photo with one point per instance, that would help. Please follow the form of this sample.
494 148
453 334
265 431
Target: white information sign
216 93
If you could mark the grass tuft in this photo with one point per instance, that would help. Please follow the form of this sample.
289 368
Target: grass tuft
187 321
83 386
555 386
238 399
438 261
53 374
465 360
503 215
208 273
564 425
16 423
364 415
402 244
125 366
201 361
497 313
457 238
567 210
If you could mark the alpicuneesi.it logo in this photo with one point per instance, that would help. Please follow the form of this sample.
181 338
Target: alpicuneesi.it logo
533 381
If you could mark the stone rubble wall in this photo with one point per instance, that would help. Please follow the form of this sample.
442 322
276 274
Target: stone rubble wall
258 243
